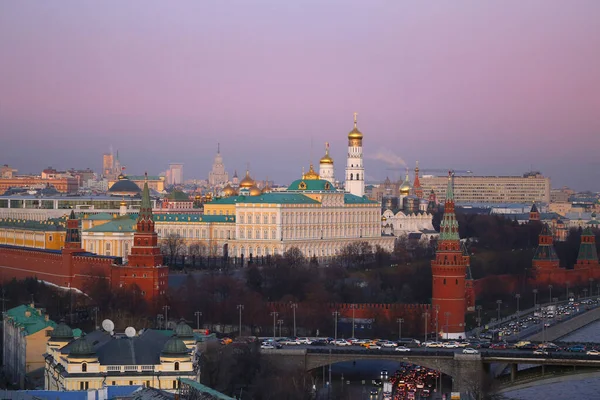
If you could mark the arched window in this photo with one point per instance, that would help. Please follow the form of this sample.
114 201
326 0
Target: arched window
351 176
84 367
176 366
358 177
457 281
444 281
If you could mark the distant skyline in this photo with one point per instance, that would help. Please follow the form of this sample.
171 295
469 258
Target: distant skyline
496 87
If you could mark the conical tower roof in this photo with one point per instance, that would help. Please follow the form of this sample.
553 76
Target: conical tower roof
146 206
449 224
587 248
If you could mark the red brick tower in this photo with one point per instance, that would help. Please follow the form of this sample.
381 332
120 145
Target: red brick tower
588 255
432 206
545 258
73 237
144 267
449 270
534 214
417 184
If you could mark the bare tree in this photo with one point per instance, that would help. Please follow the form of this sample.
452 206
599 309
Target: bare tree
172 247
294 257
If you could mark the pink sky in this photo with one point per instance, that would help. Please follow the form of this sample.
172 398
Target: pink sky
494 87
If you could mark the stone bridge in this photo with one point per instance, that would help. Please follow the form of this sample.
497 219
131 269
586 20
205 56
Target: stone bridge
567 327
470 372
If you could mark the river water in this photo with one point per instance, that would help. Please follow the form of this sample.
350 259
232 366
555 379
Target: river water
571 390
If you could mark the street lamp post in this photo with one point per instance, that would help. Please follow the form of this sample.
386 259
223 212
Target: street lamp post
437 329
159 320
478 308
198 314
335 318
550 296
294 306
535 292
591 290
518 297
426 316
567 283
274 314
95 310
280 322
353 306
166 308
399 321
499 302
240 307
447 315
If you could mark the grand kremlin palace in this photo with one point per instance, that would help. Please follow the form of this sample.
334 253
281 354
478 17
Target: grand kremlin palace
311 215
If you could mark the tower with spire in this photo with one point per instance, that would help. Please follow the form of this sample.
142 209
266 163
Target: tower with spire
326 166
73 236
588 254
418 190
218 176
355 172
449 269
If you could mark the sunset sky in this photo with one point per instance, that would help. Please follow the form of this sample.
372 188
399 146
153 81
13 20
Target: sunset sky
496 87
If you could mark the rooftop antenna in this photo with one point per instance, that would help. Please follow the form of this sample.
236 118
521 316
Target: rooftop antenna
218 148
108 326
130 331
355 114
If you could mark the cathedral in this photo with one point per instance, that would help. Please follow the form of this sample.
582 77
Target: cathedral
404 209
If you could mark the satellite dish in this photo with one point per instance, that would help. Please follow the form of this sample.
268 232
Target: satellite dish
130 331
108 325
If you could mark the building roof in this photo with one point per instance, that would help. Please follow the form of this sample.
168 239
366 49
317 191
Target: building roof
587 250
120 224
268 198
178 195
311 185
207 392
354 199
143 177
125 187
103 216
144 349
31 319
45 226
193 218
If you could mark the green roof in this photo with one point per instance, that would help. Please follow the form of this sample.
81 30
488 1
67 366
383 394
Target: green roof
587 251
178 195
268 198
120 224
48 225
354 199
100 216
311 185
143 177
32 323
193 218
205 389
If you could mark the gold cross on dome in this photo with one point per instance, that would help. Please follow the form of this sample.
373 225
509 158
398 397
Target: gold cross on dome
355 114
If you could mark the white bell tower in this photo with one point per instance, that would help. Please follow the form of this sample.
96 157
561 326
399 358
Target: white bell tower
355 172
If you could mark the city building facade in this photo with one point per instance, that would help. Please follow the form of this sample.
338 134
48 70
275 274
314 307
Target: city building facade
531 187
218 176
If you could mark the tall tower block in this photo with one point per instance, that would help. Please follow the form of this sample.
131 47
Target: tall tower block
449 270
355 172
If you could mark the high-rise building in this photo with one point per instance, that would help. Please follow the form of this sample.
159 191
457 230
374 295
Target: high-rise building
175 174
108 164
449 270
218 176
492 189
355 172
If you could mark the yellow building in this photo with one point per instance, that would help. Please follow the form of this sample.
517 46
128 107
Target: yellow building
26 331
156 359
49 235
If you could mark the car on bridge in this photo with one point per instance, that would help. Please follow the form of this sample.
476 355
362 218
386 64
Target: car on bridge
387 343
541 352
305 340
578 348
403 349
374 346
341 342
593 353
450 345
319 342
470 350
290 342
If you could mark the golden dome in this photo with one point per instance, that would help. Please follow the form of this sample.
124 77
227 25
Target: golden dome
255 191
405 187
266 189
326 158
355 134
229 191
311 174
247 182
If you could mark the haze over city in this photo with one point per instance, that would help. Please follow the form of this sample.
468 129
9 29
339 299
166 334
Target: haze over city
496 88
